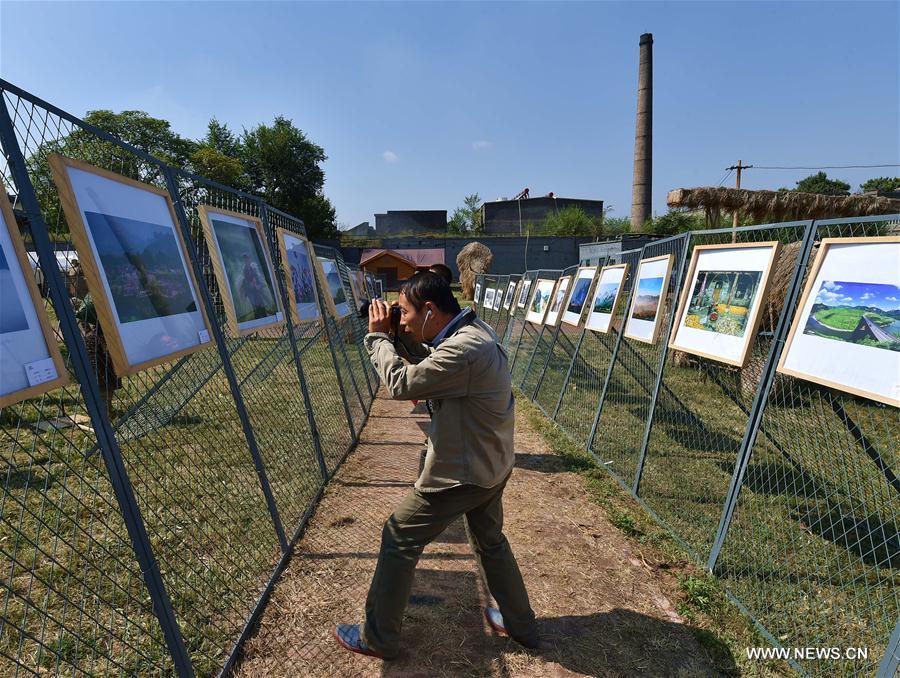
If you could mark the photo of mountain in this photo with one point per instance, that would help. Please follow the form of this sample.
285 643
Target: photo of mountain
646 302
867 314
143 267
12 314
247 270
605 298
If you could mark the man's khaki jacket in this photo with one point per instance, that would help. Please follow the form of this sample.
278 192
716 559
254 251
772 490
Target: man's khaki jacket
467 379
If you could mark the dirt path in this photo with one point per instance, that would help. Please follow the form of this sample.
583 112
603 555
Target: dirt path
604 613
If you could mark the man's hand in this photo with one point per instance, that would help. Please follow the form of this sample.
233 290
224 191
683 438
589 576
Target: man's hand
379 316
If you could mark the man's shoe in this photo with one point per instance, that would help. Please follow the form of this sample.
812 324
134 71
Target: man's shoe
349 637
495 620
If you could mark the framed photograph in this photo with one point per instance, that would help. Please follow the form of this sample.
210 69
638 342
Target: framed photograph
540 301
488 298
243 269
372 286
647 298
498 297
846 332
523 293
606 297
581 287
559 298
336 298
477 298
379 289
135 263
299 271
510 293
720 305
30 360
361 286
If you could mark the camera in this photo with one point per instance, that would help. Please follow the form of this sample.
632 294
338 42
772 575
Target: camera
394 311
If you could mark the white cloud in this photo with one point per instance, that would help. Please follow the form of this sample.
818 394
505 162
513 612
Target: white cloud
867 295
390 156
482 145
831 285
891 298
828 297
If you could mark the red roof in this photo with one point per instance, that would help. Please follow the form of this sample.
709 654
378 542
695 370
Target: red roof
418 258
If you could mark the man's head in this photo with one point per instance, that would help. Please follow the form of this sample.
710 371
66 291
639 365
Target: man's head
426 305
443 271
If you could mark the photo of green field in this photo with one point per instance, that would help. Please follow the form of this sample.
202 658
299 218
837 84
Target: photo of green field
867 314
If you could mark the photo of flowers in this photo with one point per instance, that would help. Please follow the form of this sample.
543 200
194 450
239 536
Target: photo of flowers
721 300
242 268
135 261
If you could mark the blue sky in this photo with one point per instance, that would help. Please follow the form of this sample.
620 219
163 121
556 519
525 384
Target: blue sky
842 293
418 105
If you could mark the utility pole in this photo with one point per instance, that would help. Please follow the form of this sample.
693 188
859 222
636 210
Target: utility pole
737 184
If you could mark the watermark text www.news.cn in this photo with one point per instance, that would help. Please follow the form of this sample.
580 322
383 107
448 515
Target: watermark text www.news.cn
808 653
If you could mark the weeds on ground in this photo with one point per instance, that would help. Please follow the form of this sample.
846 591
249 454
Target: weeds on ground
717 624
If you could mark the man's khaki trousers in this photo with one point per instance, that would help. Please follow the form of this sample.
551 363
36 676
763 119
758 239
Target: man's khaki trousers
420 518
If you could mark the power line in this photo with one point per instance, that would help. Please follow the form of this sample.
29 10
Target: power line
775 167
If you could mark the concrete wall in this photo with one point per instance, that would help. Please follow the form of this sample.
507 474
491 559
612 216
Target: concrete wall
502 216
509 253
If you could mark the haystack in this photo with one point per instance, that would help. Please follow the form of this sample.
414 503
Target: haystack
772 206
473 259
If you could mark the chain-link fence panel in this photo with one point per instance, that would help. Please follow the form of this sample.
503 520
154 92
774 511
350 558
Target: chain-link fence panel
209 523
577 405
704 405
812 550
626 407
552 373
516 324
506 313
530 363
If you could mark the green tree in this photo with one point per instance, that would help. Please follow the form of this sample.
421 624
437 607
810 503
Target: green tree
467 219
284 167
572 221
880 184
674 222
820 183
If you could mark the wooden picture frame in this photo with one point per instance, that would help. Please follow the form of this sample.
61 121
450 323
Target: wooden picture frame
565 315
525 291
53 354
280 235
660 305
329 296
537 317
616 300
847 352
754 314
96 281
222 278
564 280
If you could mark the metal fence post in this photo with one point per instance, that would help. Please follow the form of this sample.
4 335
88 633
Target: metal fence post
890 663
612 358
762 393
228 368
301 376
661 366
103 429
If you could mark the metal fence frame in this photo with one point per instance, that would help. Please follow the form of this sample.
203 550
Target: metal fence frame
28 125
656 402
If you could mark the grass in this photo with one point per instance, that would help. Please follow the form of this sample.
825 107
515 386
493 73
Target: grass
812 551
74 596
847 318
717 624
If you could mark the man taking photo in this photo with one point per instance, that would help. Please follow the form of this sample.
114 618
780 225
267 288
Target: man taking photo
461 368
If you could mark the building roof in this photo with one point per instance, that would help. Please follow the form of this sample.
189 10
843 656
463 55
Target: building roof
417 258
